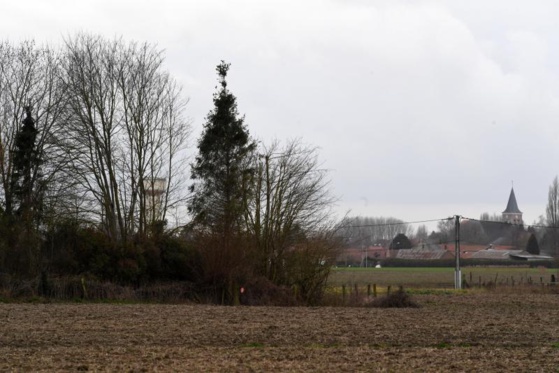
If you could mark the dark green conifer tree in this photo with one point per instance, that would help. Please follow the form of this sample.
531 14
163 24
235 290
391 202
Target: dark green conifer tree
25 169
222 168
401 241
23 207
532 245
222 174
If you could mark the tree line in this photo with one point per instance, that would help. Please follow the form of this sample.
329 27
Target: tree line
92 165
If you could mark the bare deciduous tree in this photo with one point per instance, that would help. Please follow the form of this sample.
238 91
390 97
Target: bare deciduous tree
29 88
291 207
125 130
367 231
471 231
552 218
446 229
422 233
491 217
29 77
552 209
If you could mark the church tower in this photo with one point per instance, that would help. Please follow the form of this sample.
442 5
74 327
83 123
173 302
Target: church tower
512 214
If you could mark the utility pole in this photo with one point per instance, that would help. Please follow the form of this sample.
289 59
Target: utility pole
457 272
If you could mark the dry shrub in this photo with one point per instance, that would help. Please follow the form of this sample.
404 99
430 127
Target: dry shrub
76 288
11 287
73 288
174 292
262 292
398 299
308 265
22 289
521 289
331 298
224 263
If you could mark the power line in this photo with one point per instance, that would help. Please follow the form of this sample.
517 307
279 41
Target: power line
395 223
449 219
363 240
401 223
512 224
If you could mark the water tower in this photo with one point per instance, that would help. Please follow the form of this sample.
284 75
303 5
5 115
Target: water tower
155 189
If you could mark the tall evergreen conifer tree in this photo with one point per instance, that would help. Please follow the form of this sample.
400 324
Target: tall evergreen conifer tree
222 174
532 245
23 241
26 163
222 168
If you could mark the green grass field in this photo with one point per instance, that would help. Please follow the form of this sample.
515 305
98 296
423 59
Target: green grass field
439 278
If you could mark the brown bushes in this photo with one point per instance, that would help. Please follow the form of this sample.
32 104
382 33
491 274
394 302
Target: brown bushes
76 288
398 299
262 292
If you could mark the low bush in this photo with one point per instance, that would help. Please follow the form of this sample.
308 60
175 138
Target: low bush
398 299
262 292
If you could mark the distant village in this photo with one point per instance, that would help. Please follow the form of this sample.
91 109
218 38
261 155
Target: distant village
498 240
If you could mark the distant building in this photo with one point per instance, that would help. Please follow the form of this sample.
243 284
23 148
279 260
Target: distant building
155 190
512 214
361 257
424 251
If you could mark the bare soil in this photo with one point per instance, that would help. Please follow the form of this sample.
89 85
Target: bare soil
484 331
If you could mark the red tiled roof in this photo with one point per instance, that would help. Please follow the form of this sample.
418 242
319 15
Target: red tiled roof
357 254
423 254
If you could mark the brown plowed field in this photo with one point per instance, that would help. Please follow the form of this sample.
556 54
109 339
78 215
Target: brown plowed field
464 332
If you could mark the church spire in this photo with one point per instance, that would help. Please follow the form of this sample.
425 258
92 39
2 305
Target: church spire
512 206
512 213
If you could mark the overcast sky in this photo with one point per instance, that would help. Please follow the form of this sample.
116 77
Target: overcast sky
421 109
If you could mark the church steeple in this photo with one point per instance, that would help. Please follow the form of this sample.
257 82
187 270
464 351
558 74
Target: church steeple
512 214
